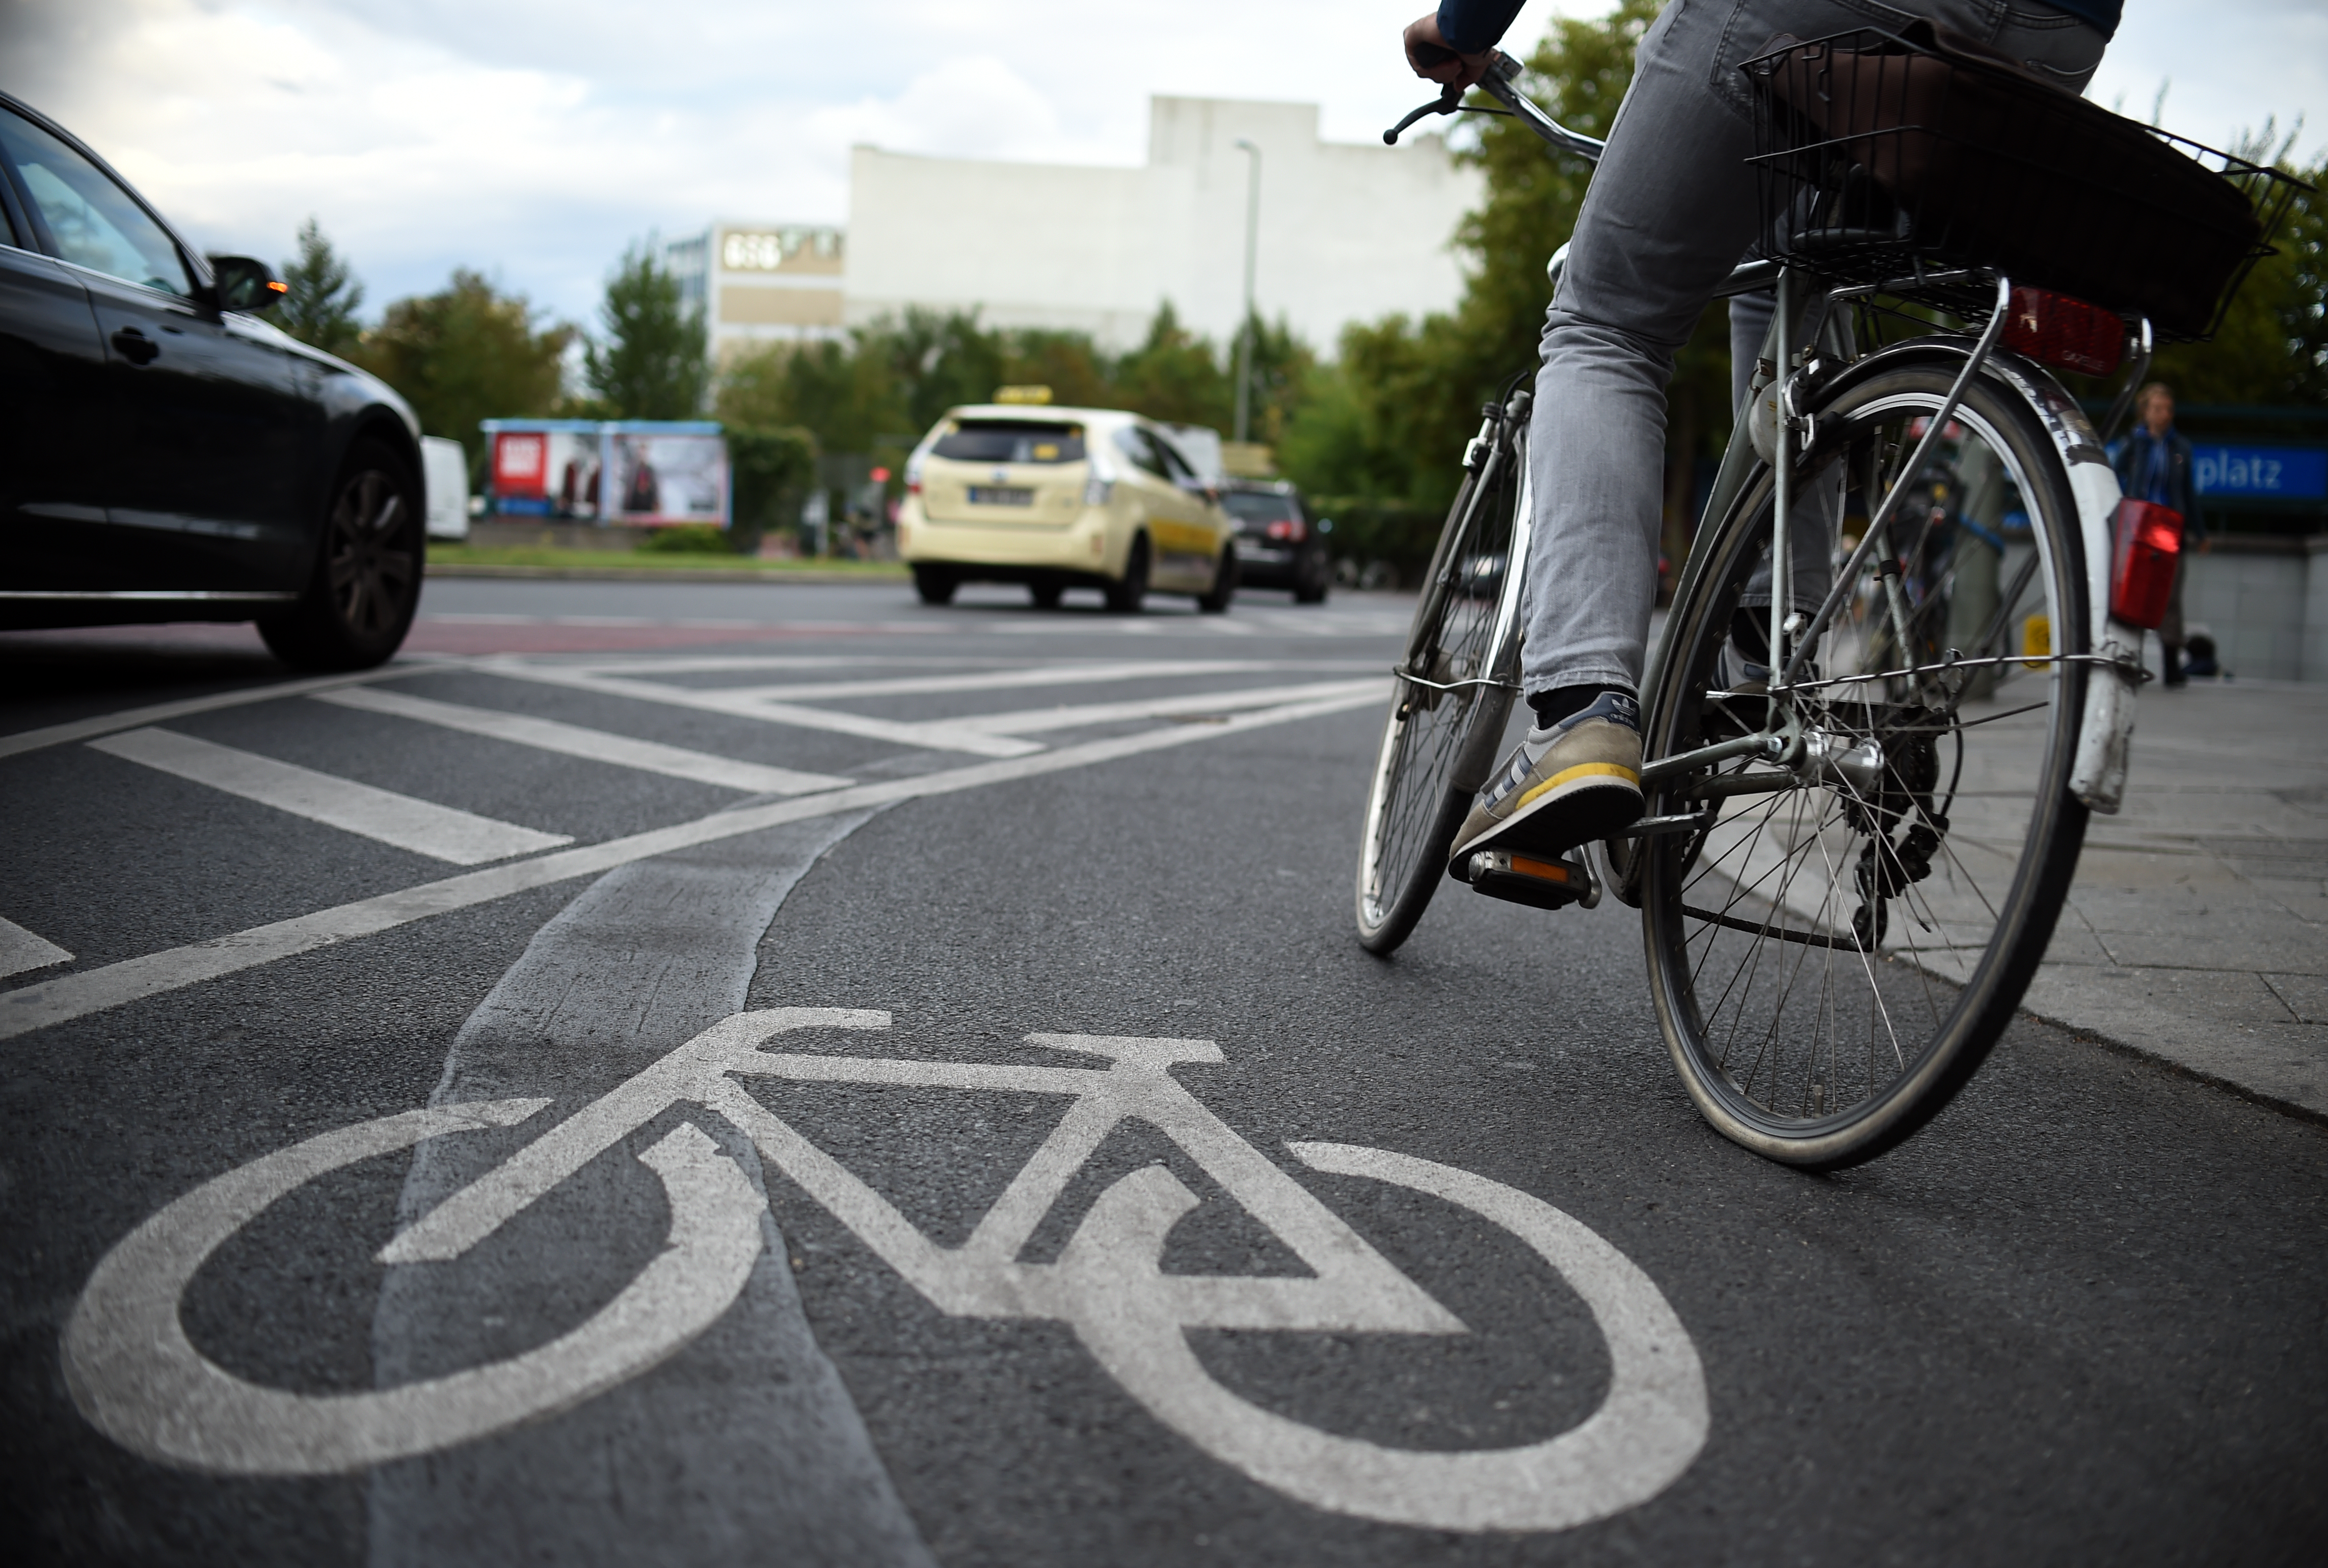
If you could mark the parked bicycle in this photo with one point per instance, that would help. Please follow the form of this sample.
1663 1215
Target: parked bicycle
1900 664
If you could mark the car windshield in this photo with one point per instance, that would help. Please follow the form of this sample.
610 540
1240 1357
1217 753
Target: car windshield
1011 441
1256 506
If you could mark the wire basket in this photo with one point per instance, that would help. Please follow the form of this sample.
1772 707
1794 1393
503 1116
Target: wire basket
1880 156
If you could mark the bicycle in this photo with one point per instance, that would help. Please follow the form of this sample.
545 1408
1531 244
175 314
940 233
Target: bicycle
134 1372
1854 853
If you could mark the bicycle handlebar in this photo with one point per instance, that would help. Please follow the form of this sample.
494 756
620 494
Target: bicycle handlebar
1497 84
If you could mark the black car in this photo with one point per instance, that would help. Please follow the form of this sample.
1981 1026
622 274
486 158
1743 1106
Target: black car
1278 544
167 455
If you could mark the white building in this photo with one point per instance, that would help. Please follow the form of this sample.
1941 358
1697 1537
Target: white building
1347 233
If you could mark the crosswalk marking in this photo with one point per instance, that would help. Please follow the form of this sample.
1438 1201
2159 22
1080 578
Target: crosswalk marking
596 745
1034 719
20 950
924 736
439 833
1002 680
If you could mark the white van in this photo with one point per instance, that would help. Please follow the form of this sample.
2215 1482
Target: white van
444 472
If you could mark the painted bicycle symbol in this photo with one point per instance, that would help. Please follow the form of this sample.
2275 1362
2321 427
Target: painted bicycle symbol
137 1376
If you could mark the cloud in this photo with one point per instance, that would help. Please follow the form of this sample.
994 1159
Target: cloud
534 139
975 107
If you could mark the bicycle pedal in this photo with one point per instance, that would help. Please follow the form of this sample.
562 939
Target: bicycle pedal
1532 879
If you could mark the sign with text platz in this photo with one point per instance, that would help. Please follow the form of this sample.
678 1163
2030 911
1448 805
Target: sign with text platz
2265 473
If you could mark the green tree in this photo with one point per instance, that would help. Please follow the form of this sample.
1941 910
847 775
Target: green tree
2272 346
1407 393
1177 376
321 306
651 363
467 353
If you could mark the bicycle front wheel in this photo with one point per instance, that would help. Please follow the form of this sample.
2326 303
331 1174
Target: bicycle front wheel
1447 711
1835 950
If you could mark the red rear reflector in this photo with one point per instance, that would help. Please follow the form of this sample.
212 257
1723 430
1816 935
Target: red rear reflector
2066 333
2148 545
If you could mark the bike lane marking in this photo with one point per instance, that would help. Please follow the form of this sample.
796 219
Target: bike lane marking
736 1441
152 1390
68 997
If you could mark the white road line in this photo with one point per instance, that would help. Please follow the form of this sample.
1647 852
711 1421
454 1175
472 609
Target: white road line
20 950
924 737
1002 680
162 713
1035 720
439 833
73 996
596 745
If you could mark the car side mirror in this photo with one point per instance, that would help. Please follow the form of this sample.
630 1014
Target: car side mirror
246 284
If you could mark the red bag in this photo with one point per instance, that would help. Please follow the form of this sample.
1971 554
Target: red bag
2146 548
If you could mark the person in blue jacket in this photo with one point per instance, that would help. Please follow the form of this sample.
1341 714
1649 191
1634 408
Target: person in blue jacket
2154 465
1671 209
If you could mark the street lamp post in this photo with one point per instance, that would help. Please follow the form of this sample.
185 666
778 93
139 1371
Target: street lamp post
1245 327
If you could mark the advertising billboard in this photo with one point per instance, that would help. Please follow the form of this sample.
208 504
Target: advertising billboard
635 473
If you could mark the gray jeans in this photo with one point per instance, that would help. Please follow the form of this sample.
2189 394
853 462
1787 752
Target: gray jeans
1670 211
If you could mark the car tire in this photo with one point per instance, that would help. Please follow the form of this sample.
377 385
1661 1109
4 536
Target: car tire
1046 595
1127 594
1216 600
1311 579
936 585
359 598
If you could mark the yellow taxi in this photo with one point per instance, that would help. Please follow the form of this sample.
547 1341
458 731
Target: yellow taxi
1060 498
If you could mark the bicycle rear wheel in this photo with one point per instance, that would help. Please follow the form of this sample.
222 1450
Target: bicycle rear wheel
1448 710
1833 954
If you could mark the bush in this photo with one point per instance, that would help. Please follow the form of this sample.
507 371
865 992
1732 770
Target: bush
687 538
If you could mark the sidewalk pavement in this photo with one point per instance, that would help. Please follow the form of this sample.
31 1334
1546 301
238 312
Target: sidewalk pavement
2197 931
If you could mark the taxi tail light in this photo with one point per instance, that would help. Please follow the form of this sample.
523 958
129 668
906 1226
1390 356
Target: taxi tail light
2066 333
2145 549
1097 490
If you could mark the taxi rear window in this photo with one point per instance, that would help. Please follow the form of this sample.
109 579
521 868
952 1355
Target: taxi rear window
1011 441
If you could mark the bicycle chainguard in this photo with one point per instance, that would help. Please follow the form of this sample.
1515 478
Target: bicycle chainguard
1539 881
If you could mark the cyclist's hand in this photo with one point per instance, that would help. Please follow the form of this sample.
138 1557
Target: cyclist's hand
1424 42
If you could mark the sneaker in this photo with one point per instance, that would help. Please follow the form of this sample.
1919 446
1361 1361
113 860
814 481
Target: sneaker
1578 781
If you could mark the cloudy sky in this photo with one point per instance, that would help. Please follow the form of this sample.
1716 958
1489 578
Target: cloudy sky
533 138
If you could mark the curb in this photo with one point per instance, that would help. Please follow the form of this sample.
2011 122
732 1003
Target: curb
663 575
2087 1035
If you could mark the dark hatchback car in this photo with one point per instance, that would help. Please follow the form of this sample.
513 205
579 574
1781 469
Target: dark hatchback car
1278 544
167 455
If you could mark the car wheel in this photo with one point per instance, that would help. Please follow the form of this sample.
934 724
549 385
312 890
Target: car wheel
1309 584
1046 595
1125 597
935 585
1216 600
359 600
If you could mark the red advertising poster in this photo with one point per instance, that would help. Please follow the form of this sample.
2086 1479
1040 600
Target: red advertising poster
520 462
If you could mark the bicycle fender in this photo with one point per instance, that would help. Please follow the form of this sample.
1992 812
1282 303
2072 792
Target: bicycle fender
2106 728
2105 724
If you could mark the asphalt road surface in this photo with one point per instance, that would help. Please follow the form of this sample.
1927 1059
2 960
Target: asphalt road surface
688 1074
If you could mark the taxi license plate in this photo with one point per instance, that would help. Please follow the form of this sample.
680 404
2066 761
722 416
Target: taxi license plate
1002 495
